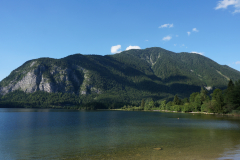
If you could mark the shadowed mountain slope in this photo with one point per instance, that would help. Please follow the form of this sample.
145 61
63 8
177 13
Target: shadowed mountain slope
128 76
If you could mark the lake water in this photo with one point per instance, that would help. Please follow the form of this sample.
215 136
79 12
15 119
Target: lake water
67 134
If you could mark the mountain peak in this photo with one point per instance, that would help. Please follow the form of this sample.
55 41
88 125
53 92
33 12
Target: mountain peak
132 74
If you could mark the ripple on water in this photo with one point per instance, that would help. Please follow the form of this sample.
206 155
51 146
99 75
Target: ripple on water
53 134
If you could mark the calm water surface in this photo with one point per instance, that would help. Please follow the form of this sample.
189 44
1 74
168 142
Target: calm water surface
66 134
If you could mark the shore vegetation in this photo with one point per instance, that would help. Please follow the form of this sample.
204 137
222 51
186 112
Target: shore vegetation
220 101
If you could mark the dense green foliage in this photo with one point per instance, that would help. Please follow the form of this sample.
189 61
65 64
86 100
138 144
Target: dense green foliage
125 79
222 102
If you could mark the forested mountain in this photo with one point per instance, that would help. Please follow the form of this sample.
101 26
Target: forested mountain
126 77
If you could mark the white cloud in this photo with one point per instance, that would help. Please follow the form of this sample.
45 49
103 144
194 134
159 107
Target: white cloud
166 26
175 44
195 30
146 40
188 33
167 38
236 11
201 53
238 62
132 47
225 3
115 49
176 35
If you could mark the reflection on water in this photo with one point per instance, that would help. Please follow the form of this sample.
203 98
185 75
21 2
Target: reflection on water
59 134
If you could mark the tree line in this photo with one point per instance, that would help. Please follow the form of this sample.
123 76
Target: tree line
220 101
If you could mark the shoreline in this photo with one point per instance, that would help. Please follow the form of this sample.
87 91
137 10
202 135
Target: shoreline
119 109
228 114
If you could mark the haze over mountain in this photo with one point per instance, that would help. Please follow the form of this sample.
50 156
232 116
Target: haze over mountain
124 77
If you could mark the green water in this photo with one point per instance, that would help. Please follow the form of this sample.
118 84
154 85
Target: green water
65 134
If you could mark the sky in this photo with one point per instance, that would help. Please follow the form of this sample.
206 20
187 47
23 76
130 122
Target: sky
31 29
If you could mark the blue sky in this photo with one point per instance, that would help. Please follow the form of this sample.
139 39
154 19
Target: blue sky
32 29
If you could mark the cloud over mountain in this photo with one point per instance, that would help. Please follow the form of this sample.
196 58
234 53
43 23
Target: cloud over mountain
132 47
115 49
201 53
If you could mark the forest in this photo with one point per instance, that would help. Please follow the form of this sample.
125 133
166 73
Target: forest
220 101
134 79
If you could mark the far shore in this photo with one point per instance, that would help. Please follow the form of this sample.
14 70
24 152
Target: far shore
228 114
119 109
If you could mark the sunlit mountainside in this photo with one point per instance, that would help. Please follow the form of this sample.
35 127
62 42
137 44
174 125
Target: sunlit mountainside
126 77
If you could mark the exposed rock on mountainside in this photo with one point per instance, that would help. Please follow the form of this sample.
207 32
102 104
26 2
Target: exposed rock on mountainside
137 73
49 79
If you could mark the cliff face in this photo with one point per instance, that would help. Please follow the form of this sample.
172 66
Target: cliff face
50 79
136 73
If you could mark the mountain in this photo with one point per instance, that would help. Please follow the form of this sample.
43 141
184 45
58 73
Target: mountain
128 76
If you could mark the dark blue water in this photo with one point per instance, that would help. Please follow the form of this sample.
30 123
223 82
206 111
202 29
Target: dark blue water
68 134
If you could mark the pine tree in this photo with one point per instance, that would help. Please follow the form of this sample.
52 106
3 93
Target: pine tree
228 92
142 104
234 96
203 95
230 84
176 100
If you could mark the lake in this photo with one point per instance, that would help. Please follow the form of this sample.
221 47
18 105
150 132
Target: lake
69 134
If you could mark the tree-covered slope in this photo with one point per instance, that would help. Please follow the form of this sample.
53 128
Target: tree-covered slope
185 67
128 76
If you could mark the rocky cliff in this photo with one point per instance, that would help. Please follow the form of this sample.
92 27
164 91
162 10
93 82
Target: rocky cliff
35 76
137 73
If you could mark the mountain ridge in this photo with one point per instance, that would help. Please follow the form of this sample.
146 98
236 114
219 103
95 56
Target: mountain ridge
129 75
